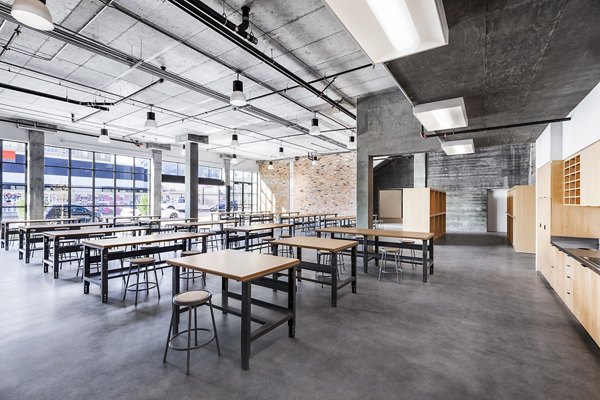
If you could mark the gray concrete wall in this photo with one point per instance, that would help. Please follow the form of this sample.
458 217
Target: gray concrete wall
35 175
467 178
156 185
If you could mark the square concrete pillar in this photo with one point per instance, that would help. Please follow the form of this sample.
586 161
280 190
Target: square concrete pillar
156 183
191 180
35 175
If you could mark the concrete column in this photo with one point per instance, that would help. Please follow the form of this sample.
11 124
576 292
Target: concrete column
292 187
191 180
364 188
35 175
420 170
156 183
227 180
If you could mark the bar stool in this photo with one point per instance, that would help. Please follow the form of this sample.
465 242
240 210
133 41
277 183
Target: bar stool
384 263
187 275
266 243
285 251
192 300
144 265
377 224
412 251
326 255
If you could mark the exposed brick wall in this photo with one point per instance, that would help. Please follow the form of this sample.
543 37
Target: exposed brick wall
327 187
274 188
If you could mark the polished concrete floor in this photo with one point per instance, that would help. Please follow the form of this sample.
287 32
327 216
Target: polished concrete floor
486 326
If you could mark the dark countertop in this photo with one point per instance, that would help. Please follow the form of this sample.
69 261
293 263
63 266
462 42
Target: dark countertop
584 250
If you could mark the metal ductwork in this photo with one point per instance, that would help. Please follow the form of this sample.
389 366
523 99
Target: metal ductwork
426 135
212 19
97 105
241 28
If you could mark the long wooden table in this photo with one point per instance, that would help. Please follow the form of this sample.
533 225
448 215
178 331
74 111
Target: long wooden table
6 232
133 219
53 240
426 246
334 246
302 219
250 232
343 220
26 232
246 268
182 242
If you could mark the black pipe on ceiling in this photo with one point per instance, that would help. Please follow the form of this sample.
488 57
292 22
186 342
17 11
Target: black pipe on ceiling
211 18
495 128
99 106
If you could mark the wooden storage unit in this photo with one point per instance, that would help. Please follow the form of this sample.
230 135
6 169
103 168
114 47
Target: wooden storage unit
424 210
520 214
572 181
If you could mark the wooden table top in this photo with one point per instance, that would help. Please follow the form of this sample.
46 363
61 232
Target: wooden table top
203 223
47 221
256 227
241 266
308 215
380 232
161 220
341 218
143 239
315 243
80 232
62 226
136 217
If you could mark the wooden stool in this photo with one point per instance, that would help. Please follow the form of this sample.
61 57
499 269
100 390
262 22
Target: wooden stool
187 275
285 251
143 264
396 252
266 242
412 251
192 300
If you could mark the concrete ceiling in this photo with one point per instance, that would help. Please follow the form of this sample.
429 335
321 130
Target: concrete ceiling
512 61
303 36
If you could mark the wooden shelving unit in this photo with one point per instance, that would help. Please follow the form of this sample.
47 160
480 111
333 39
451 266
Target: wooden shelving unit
520 215
424 210
572 181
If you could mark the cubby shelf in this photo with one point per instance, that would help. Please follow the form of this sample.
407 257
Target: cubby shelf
424 210
572 181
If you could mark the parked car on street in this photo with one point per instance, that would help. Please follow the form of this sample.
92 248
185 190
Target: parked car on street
166 211
84 213
221 206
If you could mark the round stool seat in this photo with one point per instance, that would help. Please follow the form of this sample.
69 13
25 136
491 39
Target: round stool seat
186 253
407 241
191 298
285 236
143 261
391 249
268 239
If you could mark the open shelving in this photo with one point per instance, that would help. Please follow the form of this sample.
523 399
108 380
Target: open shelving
572 181
424 210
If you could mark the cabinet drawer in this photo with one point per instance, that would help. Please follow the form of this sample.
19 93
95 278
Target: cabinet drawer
568 299
569 286
569 271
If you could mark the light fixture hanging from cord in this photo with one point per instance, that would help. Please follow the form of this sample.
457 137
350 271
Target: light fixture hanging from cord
33 13
280 150
150 120
183 150
314 127
238 98
234 139
351 143
104 138
313 158
270 165
234 159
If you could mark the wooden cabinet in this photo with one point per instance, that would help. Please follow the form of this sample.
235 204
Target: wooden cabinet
582 177
520 216
543 247
582 290
424 210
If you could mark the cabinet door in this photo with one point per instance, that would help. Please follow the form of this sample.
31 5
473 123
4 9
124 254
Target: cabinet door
543 233
593 190
586 177
594 330
543 181
582 291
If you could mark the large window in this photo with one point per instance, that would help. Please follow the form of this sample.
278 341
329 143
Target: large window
178 169
93 184
244 195
13 167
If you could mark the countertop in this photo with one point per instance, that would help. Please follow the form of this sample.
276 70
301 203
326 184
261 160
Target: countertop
584 250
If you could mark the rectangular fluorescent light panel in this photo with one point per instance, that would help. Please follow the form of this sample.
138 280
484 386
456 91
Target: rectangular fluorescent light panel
440 115
390 29
456 147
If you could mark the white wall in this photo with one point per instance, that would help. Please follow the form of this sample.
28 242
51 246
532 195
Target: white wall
584 127
548 146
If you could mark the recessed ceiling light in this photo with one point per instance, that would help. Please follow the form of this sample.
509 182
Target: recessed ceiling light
390 29
457 147
441 115
33 13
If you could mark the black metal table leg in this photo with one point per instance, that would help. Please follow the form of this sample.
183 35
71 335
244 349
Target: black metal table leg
430 256
86 269
56 255
425 269
224 294
21 243
227 239
299 270
175 283
377 251
292 301
104 275
334 283
365 254
247 241
27 244
204 244
4 237
246 319
353 268
46 253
